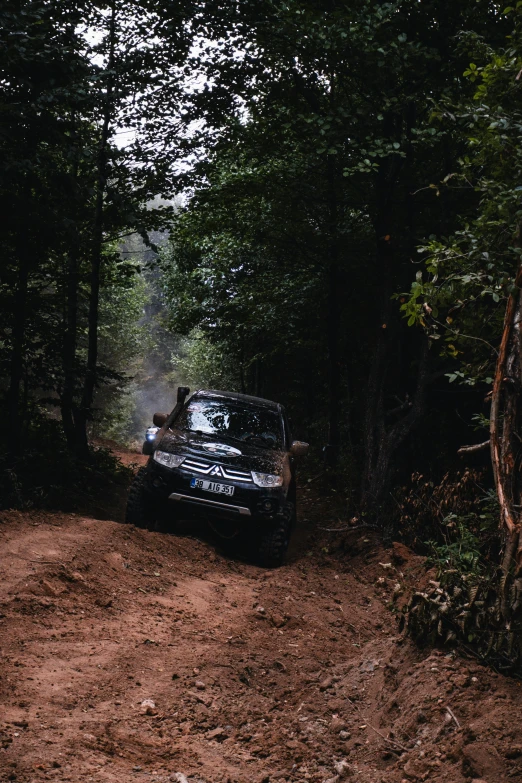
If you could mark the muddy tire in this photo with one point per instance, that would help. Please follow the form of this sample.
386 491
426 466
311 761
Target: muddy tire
141 508
273 543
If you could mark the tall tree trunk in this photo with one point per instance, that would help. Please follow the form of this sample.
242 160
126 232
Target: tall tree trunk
385 440
374 419
71 323
69 349
17 345
333 323
373 428
242 378
505 420
334 365
83 414
334 294
380 439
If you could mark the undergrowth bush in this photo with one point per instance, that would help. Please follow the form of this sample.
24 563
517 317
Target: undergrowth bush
456 524
45 475
463 609
470 541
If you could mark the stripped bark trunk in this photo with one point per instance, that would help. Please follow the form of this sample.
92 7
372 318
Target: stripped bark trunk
505 442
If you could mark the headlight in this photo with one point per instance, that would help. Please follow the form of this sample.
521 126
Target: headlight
267 480
167 459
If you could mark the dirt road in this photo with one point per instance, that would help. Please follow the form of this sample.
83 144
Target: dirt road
135 656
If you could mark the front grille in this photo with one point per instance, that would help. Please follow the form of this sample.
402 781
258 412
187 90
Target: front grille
197 466
217 471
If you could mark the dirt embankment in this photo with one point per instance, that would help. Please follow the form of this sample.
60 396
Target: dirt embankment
134 656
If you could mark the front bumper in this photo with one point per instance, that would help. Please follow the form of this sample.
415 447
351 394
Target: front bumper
249 501
214 505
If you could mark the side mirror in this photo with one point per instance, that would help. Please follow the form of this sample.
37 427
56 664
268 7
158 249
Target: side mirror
299 448
159 419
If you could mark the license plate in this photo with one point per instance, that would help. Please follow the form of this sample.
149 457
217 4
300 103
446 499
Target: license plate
212 486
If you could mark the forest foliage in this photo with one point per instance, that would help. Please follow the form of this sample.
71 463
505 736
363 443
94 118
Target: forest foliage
346 236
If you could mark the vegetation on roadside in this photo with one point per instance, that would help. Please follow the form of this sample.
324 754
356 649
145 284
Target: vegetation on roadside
44 475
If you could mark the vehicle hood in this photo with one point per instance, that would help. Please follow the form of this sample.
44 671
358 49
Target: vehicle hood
206 447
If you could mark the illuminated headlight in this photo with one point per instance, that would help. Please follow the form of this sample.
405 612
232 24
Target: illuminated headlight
267 480
151 433
169 460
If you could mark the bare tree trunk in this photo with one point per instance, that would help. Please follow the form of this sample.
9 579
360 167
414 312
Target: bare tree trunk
84 413
505 440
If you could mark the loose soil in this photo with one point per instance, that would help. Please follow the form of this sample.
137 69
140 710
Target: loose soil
136 656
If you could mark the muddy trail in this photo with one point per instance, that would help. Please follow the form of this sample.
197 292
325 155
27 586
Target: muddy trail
136 656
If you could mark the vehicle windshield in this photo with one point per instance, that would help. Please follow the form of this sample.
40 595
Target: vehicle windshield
246 423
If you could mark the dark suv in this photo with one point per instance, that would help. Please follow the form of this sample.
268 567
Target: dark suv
225 456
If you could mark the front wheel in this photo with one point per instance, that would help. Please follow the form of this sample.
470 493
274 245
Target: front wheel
141 508
273 543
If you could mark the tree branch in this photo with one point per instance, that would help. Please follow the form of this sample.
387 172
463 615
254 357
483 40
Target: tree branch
473 449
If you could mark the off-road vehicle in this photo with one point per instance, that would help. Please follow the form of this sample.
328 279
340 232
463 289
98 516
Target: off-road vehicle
227 457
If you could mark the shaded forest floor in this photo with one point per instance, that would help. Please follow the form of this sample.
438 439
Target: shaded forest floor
133 656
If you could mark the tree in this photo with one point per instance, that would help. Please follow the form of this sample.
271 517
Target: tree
68 190
334 122
469 298
41 71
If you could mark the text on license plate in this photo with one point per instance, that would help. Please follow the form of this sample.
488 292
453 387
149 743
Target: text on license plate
212 486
